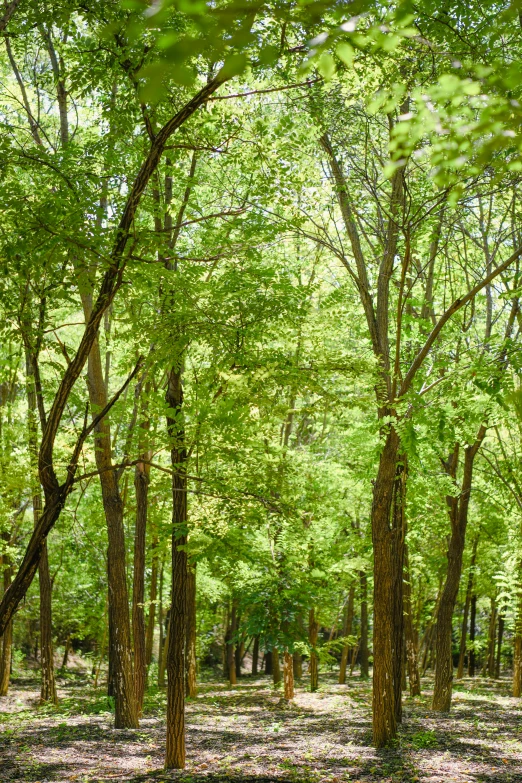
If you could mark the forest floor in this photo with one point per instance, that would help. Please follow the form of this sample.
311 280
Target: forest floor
248 735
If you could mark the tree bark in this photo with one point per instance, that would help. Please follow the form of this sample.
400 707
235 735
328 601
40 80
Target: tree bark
409 636
151 619
7 641
467 602
499 646
363 644
175 750
192 686
48 684
141 485
489 663
313 632
347 631
472 620
298 665
388 540
276 667
231 646
288 675
255 655
458 513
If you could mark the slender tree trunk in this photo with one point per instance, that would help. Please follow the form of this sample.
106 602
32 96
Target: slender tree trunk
409 636
7 639
48 684
161 620
231 646
347 631
467 602
192 686
276 667
499 646
255 655
489 663
363 644
149 639
165 652
313 632
268 662
67 647
458 513
288 674
298 665
175 750
141 484
472 621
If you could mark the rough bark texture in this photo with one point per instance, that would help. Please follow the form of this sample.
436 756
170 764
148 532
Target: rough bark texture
388 539
288 675
313 631
298 665
192 685
347 631
467 602
458 514
175 749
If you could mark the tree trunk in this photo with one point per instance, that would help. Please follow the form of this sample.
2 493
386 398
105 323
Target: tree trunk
458 513
66 649
149 639
363 643
467 602
276 668
489 662
161 620
255 655
48 684
192 686
288 674
120 654
175 751
499 646
141 484
347 631
472 620
7 639
388 538
268 662
298 665
313 632
409 636
231 646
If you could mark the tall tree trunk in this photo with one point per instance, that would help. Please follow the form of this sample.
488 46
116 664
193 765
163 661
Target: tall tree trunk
255 655
472 622
298 665
268 662
66 649
276 667
7 639
175 751
161 620
48 684
231 646
363 643
141 484
192 686
388 539
313 632
409 636
151 619
458 513
467 602
121 676
347 631
489 664
499 645
288 675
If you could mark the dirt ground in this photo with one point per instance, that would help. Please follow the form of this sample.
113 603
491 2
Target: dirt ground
248 734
